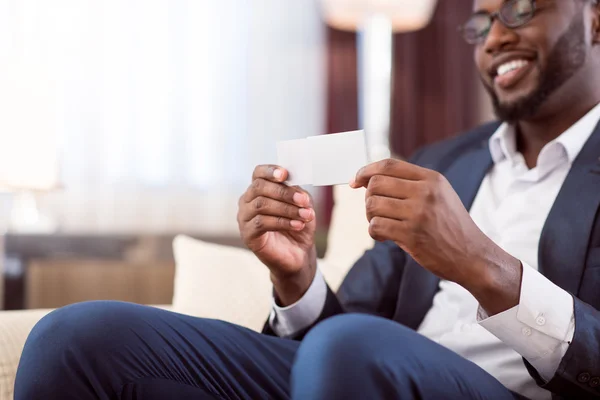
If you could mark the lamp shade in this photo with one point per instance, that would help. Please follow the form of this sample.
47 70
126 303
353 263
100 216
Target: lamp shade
405 15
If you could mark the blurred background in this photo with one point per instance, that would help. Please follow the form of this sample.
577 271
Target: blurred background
126 122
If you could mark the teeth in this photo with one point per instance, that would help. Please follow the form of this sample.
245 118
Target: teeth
511 66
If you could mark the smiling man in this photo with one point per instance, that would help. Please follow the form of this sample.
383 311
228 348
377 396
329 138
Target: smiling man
485 283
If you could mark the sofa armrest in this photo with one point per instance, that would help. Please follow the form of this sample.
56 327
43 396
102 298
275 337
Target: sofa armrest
14 329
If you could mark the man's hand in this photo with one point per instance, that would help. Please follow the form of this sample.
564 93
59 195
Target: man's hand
277 223
419 210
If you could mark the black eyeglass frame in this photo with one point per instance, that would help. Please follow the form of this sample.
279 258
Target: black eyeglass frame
497 15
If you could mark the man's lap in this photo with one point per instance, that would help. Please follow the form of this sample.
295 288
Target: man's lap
120 350
104 349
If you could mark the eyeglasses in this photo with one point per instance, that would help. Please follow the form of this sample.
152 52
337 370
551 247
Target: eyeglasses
512 14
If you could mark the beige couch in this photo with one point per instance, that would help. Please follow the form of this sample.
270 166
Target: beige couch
206 277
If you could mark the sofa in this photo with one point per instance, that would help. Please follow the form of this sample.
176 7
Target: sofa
216 281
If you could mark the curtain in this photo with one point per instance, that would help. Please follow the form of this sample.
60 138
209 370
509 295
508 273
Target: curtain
163 107
436 92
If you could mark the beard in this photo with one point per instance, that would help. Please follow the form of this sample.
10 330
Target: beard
565 59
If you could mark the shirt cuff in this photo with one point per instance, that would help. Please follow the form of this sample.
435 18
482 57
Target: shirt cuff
286 321
540 327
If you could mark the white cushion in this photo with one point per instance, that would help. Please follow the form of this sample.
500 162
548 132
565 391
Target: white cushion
221 282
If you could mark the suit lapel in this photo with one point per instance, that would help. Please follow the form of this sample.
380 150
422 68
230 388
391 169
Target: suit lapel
418 285
566 233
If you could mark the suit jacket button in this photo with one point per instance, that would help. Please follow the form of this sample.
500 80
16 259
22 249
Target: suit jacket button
584 377
594 382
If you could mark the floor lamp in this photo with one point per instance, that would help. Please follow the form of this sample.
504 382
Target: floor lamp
376 21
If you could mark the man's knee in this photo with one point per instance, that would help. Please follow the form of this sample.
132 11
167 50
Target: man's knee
86 327
66 342
350 355
356 337
353 343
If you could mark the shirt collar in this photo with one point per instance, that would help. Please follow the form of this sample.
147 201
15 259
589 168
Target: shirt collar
503 144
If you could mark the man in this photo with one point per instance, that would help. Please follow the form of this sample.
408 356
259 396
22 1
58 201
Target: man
489 248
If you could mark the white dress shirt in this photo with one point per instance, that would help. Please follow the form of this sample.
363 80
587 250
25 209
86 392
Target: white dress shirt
511 207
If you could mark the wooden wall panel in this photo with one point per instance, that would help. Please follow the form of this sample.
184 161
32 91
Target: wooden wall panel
56 283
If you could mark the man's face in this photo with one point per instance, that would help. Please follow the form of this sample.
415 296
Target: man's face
545 54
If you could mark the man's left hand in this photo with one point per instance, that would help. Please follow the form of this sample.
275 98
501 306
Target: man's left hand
418 209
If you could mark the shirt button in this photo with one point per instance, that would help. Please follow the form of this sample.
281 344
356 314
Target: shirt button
540 320
584 377
594 382
526 331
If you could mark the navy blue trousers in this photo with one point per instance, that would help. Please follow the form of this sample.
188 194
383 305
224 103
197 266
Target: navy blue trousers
114 350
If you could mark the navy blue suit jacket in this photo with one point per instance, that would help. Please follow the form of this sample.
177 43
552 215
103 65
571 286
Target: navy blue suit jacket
387 282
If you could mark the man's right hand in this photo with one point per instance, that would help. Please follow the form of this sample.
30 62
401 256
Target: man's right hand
277 223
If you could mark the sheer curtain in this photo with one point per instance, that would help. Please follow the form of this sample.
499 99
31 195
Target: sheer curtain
163 107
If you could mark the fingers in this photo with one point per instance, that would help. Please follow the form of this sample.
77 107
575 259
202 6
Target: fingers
382 229
261 224
270 205
387 207
277 191
262 205
390 167
381 185
270 172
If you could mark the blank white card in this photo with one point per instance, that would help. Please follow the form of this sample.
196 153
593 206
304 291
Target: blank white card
323 160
